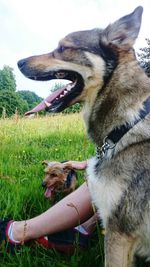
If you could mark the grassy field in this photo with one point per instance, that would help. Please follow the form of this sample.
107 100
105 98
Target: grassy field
24 144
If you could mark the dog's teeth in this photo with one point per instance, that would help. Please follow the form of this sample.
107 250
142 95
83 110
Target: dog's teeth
69 86
61 96
57 98
47 104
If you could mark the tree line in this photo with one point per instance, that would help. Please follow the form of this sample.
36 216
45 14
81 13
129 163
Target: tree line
22 101
144 57
11 100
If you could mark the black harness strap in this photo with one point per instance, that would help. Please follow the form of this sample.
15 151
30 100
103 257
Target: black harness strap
116 134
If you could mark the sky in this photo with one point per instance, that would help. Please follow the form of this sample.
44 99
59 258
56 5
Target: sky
32 27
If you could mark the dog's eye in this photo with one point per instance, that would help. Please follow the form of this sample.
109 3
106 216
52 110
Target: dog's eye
61 49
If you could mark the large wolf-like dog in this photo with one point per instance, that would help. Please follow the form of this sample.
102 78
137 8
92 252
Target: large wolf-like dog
107 78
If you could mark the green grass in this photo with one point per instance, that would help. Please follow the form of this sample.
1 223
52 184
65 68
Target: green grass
25 143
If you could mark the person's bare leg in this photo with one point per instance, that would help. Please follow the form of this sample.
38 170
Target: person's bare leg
70 211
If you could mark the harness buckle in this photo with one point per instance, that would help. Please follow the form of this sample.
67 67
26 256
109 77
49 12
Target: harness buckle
101 151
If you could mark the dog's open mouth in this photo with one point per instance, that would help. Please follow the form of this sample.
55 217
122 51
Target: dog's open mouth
63 97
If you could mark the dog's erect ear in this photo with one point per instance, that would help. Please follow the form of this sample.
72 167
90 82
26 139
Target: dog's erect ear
124 31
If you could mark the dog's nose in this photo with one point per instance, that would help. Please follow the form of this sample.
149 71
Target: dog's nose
21 63
44 184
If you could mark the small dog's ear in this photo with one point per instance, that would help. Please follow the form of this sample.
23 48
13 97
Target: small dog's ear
45 162
124 31
67 166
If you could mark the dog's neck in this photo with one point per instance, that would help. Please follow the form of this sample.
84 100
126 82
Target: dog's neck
117 133
119 103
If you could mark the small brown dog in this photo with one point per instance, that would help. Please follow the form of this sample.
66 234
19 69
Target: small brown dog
59 178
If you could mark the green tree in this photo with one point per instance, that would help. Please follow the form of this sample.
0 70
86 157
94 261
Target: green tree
7 79
9 101
56 86
30 97
74 108
144 57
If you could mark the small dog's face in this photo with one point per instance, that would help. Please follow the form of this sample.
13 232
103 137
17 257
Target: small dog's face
55 177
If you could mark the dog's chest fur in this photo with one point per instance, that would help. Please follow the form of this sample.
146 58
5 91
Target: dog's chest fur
105 193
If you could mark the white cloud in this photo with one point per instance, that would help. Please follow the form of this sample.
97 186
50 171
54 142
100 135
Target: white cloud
33 27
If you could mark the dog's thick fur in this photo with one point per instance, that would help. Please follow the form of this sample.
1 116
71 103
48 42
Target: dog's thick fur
59 178
109 81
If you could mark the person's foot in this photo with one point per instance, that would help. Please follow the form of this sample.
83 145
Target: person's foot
5 241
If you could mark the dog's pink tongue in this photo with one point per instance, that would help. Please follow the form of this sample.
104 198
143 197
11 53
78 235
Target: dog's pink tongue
42 105
48 192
